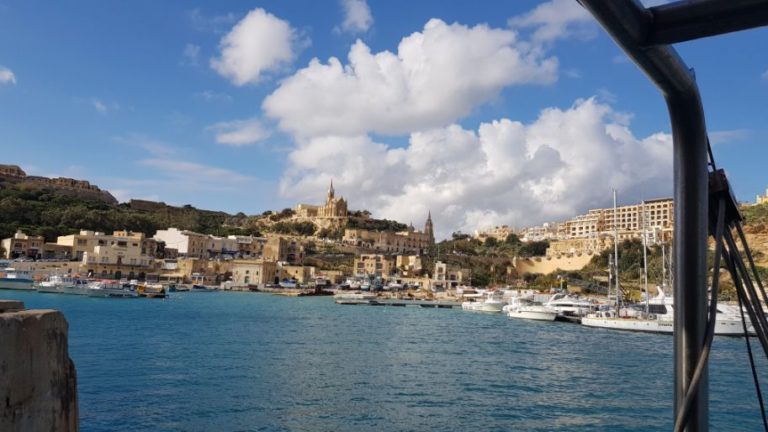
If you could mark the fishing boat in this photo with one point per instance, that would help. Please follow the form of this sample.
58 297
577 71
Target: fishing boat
201 288
151 291
16 280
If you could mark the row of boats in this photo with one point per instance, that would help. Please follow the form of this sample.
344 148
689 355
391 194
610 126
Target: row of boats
65 284
655 315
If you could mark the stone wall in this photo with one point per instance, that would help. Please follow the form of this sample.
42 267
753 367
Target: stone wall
546 265
38 385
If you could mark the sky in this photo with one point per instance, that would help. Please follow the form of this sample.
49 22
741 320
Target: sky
484 113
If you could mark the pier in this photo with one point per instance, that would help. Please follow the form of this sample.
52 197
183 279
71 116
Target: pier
443 304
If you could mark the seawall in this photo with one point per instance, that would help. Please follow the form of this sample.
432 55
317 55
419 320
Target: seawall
38 384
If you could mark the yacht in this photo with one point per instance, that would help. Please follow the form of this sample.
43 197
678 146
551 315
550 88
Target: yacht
567 305
56 284
110 288
491 303
660 319
520 308
15 280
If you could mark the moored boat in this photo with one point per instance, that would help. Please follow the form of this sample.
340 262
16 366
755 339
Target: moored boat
491 303
16 280
526 310
110 288
57 284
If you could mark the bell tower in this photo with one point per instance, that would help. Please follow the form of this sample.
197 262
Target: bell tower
428 228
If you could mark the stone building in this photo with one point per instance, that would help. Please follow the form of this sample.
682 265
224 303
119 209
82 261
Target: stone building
333 212
22 246
403 242
283 249
187 243
762 199
447 276
376 265
253 272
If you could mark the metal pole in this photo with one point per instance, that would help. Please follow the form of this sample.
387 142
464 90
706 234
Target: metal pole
690 247
616 253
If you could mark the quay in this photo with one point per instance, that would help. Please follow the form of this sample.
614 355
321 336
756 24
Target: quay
443 304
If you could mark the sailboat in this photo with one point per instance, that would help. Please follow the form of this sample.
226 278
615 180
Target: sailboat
657 316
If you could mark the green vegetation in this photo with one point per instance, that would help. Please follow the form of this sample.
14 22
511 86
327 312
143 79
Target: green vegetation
46 213
375 224
756 217
294 228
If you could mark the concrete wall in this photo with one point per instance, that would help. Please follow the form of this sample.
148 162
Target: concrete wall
38 385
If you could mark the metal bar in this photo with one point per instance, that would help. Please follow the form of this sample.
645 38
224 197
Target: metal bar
629 23
686 20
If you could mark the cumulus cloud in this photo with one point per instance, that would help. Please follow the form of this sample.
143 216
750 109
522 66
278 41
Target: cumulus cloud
7 76
259 43
505 172
437 76
239 133
357 16
557 19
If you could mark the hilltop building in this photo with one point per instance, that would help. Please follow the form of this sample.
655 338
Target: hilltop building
500 233
22 246
332 213
404 242
762 199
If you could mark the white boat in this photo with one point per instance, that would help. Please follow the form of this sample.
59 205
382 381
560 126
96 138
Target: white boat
491 303
16 280
520 308
56 284
354 298
568 305
660 319
108 288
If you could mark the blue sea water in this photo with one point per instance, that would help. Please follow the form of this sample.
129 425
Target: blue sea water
256 362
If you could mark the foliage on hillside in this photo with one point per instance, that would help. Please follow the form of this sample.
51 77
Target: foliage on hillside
375 224
41 212
755 218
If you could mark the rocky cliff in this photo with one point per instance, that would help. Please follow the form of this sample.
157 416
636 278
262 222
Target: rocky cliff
13 174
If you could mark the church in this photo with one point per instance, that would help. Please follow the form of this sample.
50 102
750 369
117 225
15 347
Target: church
334 208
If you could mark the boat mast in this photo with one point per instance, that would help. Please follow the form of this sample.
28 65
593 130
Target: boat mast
616 252
645 261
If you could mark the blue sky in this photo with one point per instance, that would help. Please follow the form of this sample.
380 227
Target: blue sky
492 112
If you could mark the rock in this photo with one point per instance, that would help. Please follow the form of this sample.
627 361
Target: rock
38 384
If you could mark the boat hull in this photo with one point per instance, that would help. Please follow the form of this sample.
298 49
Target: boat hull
722 327
494 307
530 314
16 284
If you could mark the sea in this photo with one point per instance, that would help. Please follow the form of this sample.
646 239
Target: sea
232 361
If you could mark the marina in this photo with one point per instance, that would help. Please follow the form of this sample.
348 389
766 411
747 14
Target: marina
374 368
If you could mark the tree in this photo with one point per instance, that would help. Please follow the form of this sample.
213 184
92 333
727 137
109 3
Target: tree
491 242
512 239
535 248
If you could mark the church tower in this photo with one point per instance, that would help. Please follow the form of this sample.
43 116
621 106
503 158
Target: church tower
428 229
331 193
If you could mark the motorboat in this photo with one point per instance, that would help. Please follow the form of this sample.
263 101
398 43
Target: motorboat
354 298
111 288
201 288
16 280
57 284
520 308
151 291
491 303
659 318
567 305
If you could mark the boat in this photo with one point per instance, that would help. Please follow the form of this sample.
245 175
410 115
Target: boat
16 280
354 298
57 284
521 308
288 283
151 291
567 305
660 318
111 288
201 288
491 303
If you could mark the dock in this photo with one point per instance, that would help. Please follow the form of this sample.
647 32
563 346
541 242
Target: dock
442 304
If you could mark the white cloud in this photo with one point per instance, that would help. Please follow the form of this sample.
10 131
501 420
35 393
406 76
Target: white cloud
259 43
357 16
7 76
191 55
437 76
557 19
153 146
239 133
98 105
505 172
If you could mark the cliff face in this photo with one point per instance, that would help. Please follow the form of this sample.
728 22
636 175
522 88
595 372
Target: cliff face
38 385
82 188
